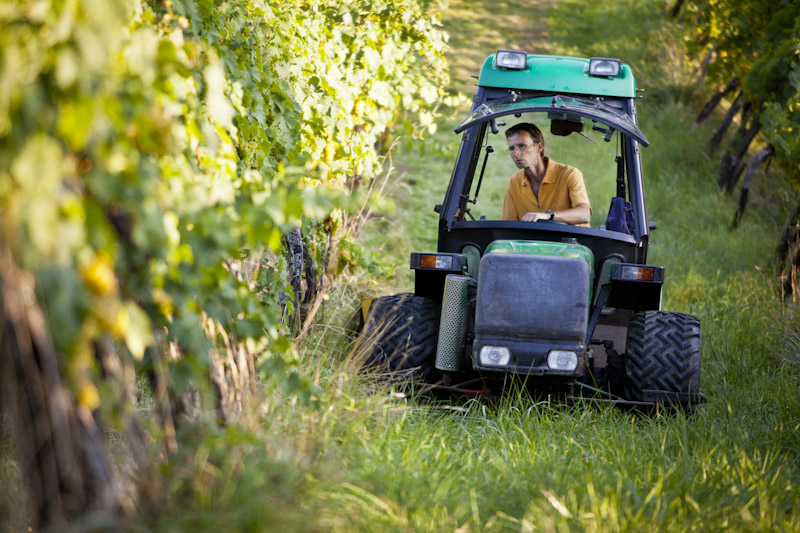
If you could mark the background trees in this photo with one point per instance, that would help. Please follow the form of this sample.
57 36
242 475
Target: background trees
753 56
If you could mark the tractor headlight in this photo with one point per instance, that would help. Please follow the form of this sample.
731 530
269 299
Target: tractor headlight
511 59
565 360
494 356
604 67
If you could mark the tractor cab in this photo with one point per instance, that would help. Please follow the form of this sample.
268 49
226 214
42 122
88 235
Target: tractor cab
586 109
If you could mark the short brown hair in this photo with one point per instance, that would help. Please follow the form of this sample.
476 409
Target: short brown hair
535 133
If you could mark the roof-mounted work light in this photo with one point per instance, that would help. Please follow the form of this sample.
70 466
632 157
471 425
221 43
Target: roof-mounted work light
511 59
604 67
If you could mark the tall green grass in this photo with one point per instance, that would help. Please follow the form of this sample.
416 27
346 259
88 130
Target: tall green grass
521 466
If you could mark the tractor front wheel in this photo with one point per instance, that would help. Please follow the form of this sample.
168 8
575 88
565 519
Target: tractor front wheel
401 332
663 353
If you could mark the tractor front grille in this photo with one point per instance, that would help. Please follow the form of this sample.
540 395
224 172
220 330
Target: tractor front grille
532 297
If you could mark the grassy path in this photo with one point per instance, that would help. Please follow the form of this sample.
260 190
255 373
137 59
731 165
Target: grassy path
479 27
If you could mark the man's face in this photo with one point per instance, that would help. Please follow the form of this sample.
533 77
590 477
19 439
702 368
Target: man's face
523 150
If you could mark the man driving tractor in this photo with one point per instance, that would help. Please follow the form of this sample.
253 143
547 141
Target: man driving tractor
543 189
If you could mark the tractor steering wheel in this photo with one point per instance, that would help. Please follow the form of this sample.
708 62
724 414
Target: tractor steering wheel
552 221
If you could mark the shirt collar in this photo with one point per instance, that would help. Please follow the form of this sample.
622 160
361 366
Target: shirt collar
550 173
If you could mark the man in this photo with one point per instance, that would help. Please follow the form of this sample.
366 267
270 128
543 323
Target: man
542 189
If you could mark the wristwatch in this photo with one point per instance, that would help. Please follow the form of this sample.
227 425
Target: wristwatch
551 213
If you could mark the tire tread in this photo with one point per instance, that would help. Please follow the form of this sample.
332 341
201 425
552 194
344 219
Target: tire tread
404 329
663 353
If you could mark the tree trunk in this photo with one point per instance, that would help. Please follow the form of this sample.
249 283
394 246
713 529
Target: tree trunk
701 78
62 449
738 105
676 9
789 255
731 166
792 286
302 276
715 100
744 122
760 158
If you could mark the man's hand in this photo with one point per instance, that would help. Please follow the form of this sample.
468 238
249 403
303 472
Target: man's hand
533 217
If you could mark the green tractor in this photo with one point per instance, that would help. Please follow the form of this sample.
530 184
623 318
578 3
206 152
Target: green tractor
568 308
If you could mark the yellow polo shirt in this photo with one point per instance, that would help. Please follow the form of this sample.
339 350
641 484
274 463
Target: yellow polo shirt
562 188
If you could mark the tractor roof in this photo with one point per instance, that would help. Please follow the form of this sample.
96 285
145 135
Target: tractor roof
557 74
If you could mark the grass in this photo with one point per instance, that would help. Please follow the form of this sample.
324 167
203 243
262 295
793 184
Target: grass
516 463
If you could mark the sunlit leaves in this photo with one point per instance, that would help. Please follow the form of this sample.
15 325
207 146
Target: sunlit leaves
354 67
136 329
758 41
143 144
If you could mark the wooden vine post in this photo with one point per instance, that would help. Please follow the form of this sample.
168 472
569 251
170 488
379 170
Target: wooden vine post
62 450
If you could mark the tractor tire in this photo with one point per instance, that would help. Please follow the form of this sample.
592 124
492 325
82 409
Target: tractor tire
401 332
663 353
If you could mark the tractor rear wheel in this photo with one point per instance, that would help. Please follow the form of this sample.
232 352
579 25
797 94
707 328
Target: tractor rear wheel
402 331
663 353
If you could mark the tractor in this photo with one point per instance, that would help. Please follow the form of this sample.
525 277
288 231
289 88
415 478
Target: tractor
570 309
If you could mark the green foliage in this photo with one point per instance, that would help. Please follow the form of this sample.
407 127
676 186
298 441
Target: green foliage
144 143
756 41
782 124
351 68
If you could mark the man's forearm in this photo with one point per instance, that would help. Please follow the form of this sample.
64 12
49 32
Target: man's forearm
580 214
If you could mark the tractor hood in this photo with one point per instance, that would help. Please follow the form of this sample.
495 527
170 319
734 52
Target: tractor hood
559 107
